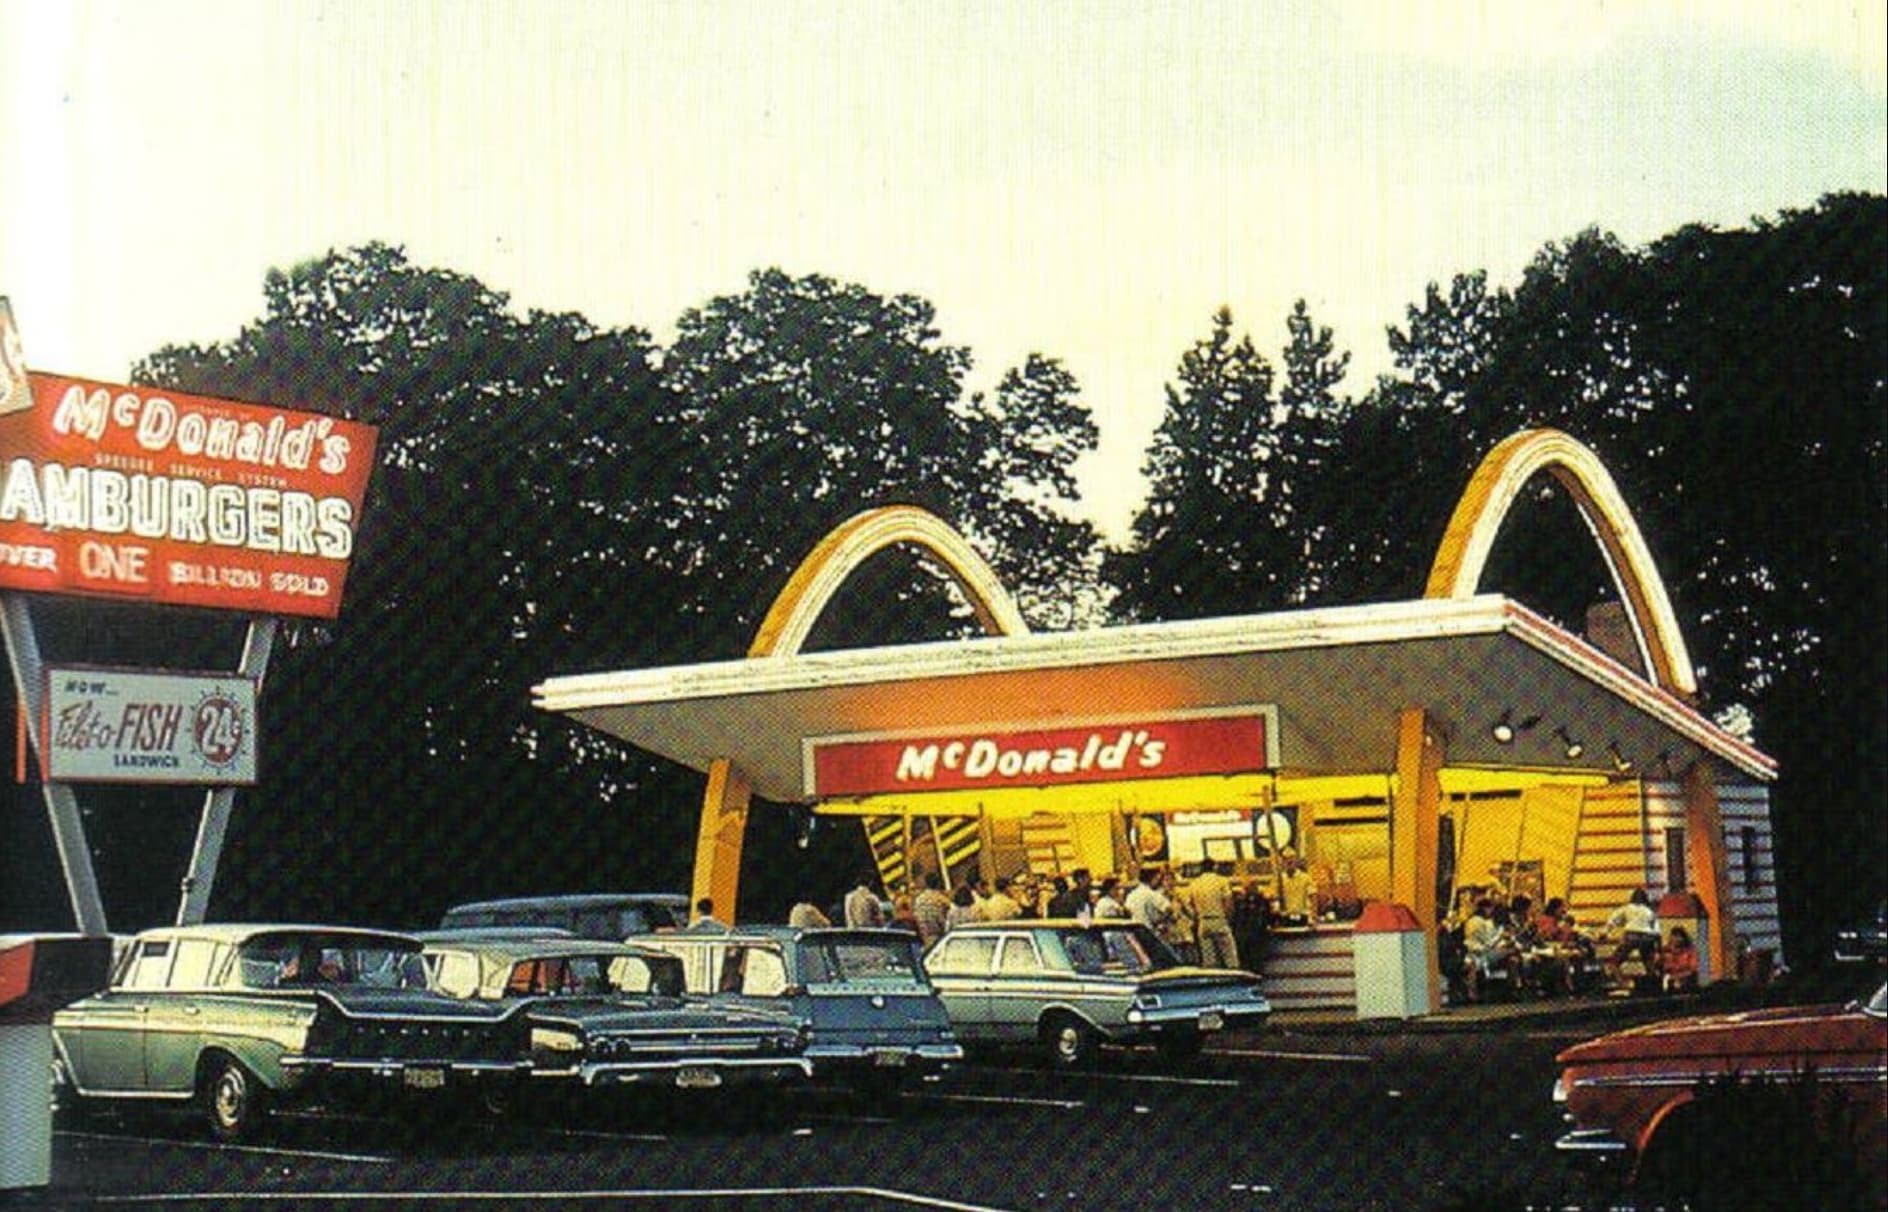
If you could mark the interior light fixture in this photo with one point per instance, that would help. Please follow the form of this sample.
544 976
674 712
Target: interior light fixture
1573 748
1621 762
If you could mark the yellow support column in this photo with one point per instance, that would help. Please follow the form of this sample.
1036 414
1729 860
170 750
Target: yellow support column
1415 811
1708 867
718 841
790 620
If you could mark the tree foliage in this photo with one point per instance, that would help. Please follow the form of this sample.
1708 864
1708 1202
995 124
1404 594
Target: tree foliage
802 401
1236 478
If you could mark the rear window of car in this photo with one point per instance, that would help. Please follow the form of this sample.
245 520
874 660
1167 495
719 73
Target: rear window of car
1115 950
875 962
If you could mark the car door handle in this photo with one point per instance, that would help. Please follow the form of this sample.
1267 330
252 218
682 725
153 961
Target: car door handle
193 1011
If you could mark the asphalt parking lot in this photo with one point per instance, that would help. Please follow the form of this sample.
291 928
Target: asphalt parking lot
1318 1116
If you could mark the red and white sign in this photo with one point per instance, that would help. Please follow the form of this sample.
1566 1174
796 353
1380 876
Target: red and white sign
185 500
123 726
1242 742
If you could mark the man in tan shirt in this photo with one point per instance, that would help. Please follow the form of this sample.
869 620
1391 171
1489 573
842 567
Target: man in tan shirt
1212 907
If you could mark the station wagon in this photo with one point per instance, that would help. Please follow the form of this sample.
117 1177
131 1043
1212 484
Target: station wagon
240 1017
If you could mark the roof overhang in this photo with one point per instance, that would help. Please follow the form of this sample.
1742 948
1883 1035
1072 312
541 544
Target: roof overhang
1338 677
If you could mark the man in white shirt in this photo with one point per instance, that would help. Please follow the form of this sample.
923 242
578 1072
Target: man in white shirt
1148 905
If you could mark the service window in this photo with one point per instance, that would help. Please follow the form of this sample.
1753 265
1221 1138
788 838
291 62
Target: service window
965 955
149 966
1019 958
191 967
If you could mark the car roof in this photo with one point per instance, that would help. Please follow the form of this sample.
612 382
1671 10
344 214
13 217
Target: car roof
238 932
774 930
513 950
574 900
1041 923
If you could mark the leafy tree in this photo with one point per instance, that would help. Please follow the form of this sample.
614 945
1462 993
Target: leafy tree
1733 383
1034 431
1198 545
1305 468
805 400
1238 479
516 462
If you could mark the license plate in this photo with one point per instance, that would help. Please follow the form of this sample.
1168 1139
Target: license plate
1212 1020
696 1078
424 1079
888 1058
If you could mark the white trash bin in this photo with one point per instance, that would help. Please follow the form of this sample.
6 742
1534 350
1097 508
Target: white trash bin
1392 962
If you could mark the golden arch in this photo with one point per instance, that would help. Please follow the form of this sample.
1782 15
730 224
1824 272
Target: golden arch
1492 491
783 632
1457 571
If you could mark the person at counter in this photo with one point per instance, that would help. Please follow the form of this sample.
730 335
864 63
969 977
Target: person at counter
1297 892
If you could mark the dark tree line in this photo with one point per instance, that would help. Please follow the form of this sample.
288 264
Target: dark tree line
1731 381
554 497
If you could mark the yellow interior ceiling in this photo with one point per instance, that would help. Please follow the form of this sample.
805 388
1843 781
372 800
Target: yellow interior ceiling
1183 795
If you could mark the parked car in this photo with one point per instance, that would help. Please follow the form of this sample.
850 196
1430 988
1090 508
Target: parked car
1073 986
240 1017
612 916
607 1014
1865 941
1757 1105
876 1022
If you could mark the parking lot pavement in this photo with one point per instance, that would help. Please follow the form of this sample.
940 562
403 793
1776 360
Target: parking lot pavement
1276 1118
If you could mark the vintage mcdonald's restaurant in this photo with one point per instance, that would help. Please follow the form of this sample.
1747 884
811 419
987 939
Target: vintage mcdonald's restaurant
1400 749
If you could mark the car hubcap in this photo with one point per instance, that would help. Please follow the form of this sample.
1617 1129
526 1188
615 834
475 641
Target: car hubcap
229 1097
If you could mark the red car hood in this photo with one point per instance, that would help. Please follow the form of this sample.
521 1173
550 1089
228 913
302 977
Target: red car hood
1805 1032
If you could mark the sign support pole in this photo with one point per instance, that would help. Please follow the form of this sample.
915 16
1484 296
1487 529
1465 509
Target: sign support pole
62 805
194 899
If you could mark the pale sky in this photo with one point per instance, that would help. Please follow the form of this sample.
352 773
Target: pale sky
1087 180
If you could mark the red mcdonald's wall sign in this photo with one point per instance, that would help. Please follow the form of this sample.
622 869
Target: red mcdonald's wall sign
179 499
1240 741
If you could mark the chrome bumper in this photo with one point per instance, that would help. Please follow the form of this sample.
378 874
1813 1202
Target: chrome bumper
1591 1143
622 1073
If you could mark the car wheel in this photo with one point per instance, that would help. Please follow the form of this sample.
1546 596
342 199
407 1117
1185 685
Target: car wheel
1072 1042
234 1102
69 1108
1748 1147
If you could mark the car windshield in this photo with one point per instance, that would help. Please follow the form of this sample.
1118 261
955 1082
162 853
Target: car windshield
1116 950
298 960
850 961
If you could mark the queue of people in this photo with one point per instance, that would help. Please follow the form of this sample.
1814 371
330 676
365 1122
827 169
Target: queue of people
1206 919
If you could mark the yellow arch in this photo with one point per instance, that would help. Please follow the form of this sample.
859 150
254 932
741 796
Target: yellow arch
784 631
1492 491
